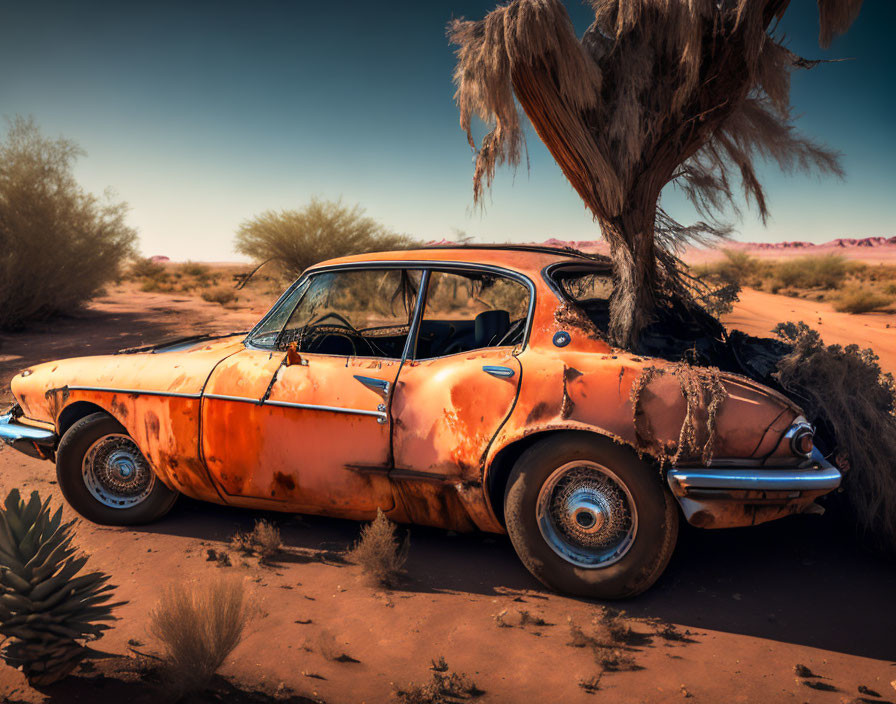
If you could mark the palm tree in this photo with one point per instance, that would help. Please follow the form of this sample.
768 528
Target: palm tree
656 91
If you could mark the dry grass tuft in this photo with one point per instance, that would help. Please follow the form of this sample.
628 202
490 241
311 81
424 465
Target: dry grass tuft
611 641
379 553
219 294
861 300
199 624
263 541
844 392
443 688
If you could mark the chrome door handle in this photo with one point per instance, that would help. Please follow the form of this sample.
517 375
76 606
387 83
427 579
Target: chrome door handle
500 372
372 383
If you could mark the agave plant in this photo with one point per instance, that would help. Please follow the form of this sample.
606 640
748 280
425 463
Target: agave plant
46 611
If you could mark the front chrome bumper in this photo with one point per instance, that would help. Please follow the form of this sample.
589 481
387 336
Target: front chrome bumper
32 441
742 496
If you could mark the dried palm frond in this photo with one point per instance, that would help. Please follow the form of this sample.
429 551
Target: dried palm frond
690 91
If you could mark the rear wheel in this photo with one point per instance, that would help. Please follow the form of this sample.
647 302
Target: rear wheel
105 477
587 517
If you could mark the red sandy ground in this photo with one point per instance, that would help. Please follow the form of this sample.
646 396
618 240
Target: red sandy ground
755 602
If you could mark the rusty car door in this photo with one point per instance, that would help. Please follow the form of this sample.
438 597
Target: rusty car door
453 397
306 422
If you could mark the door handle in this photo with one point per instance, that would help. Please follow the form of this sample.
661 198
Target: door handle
500 372
372 383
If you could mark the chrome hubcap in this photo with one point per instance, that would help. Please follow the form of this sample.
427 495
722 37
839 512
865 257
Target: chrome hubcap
587 515
116 473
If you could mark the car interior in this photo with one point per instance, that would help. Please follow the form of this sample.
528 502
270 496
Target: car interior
453 320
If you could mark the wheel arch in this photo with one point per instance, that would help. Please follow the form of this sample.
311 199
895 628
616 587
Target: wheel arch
498 469
74 412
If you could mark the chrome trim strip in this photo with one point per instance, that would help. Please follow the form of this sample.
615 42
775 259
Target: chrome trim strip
138 392
303 406
330 409
824 479
237 399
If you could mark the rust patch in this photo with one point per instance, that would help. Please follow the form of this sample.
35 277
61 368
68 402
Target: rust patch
120 410
571 315
567 406
151 422
541 410
285 481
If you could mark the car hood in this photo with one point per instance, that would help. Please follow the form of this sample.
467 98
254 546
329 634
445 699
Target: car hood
178 368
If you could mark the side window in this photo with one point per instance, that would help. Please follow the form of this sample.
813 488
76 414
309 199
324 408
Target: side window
359 313
468 311
590 289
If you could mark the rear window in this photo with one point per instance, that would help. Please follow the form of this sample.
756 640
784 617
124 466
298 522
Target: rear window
590 289
583 286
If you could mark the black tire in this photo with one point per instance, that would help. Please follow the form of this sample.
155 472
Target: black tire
75 444
646 552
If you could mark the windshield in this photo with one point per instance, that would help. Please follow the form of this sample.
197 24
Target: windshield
265 334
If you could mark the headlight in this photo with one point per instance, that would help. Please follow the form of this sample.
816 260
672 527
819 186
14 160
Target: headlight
802 437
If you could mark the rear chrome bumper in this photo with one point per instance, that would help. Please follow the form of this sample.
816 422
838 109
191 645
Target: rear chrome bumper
684 481
743 496
32 441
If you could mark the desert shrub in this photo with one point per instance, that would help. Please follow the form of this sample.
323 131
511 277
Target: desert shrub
263 540
826 271
194 269
860 300
736 267
198 625
221 294
146 268
379 553
845 393
58 244
296 239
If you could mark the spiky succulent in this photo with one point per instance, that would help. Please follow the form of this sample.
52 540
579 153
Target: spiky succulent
46 611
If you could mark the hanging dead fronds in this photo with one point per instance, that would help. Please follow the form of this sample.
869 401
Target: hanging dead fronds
844 392
690 91
703 393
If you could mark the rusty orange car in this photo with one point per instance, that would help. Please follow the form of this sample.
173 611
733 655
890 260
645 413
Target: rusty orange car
465 388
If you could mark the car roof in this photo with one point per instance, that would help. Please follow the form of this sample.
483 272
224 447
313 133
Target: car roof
531 258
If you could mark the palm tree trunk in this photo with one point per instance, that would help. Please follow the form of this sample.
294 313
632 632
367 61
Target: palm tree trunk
631 240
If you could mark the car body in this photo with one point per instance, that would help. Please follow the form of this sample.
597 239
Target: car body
478 360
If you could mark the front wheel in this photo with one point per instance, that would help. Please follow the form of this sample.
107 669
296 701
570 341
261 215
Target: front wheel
105 477
587 517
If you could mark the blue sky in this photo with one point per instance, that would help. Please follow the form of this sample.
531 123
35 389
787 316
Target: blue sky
203 114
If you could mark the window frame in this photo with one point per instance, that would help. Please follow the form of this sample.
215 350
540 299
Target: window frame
550 271
426 266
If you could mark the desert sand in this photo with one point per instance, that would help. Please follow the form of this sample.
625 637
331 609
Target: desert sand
733 615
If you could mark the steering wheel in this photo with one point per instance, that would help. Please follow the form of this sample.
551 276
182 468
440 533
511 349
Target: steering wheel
315 335
338 317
